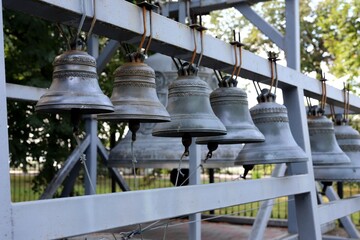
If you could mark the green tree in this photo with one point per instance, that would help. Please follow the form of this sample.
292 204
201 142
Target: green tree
329 32
31 45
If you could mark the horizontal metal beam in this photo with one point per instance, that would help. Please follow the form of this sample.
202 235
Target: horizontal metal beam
205 6
173 39
346 222
26 93
107 211
338 209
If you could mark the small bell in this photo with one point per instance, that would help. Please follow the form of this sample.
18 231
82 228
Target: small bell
230 105
324 147
134 94
279 145
190 110
349 142
165 152
74 86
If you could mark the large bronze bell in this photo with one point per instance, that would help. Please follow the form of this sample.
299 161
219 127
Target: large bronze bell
279 146
190 109
230 105
156 152
324 147
165 152
74 86
134 94
349 141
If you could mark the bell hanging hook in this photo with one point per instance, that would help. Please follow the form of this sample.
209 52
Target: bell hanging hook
146 6
193 27
201 29
273 57
93 21
78 39
240 46
234 43
323 91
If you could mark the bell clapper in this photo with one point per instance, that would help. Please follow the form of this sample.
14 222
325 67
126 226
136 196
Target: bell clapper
134 126
186 141
325 186
212 146
247 168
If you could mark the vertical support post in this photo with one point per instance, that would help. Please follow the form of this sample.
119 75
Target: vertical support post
5 194
182 11
211 180
91 130
91 154
194 162
292 35
294 99
303 215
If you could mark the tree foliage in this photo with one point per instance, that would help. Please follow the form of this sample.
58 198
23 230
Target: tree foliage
329 32
31 44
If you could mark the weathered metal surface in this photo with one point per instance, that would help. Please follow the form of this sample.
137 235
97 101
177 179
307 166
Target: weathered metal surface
134 95
230 105
349 142
324 148
190 110
74 86
166 152
279 147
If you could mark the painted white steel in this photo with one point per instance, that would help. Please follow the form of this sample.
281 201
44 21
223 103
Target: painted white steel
338 209
78 215
5 194
194 179
174 39
20 92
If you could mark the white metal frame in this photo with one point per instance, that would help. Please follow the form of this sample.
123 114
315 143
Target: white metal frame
122 21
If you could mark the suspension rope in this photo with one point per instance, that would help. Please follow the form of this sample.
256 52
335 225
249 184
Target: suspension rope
83 162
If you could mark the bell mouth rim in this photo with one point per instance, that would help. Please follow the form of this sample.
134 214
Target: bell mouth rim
262 161
193 133
127 163
229 141
63 108
116 117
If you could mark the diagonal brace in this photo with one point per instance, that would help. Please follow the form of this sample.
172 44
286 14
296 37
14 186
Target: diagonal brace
274 35
118 178
66 169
